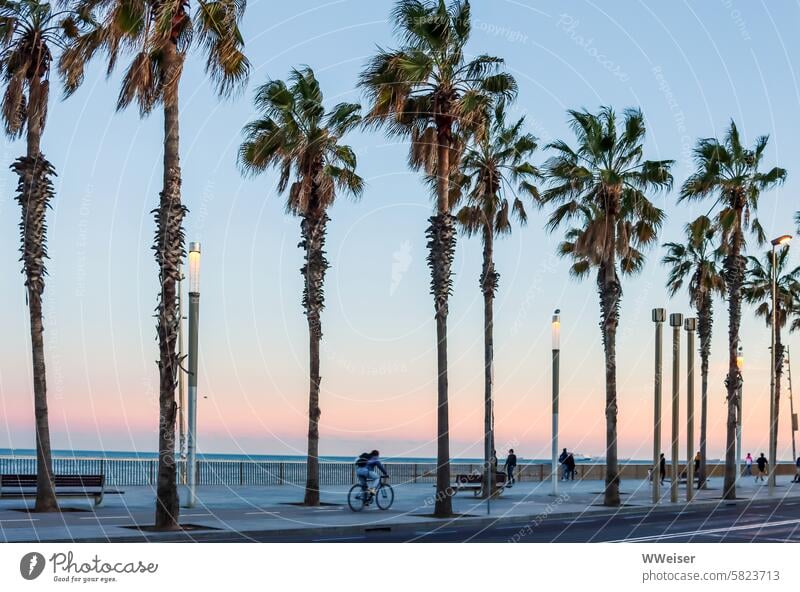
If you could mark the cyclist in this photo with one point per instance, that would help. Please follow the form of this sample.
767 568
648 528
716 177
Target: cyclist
368 465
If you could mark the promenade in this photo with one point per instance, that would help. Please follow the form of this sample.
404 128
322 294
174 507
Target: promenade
273 510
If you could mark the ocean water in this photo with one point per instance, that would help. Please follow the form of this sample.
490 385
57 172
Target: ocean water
118 454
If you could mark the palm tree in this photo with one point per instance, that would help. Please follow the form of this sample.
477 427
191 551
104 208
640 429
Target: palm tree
757 290
599 189
160 34
495 166
30 31
698 261
429 92
728 173
296 135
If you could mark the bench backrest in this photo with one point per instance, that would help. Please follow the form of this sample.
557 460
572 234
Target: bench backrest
25 481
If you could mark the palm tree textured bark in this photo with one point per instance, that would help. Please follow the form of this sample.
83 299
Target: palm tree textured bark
169 254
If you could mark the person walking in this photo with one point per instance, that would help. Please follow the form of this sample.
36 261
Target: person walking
562 459
796 471
662 468
762 463
511 464
570 464
748 465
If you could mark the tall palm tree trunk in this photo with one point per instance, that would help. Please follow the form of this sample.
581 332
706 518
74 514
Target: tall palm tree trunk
313 228
489 281
441 244
704 325
734 276
169 254
34 192
610 291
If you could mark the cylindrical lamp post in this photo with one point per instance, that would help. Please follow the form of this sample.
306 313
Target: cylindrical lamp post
659 316
194 310
773 416
691 326
676 322
739 452
556 338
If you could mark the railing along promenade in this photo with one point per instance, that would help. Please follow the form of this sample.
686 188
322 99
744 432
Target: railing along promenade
135 471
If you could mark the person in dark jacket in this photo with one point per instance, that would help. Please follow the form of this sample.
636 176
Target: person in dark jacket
511 464
570 464
797 471
662 468
562 459
762 464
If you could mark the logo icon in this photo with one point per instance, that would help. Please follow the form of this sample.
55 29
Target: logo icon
31 565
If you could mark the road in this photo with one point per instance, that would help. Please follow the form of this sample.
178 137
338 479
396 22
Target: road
762 521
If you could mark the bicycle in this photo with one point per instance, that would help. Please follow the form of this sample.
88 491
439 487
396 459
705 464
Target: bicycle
359 496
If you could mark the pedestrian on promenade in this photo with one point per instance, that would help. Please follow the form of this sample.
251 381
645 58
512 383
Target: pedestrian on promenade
662 468
796 471
570 464
762 463
511 464
562 459
748 465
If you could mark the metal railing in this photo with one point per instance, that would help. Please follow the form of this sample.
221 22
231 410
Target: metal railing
132 472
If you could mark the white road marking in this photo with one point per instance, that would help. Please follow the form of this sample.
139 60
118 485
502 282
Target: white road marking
706 532
352 538
259 513
20 520
427 532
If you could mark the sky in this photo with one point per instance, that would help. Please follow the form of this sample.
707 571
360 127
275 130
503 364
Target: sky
690 66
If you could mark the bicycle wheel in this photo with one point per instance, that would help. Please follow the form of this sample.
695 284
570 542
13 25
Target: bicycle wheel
385 497
355 498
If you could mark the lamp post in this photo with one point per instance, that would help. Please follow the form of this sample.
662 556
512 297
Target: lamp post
739 452
659 315
194 309
690 325
676 322
181 387
773 417
556 339
791 403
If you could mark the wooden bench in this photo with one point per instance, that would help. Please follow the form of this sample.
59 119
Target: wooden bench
24 486
474 482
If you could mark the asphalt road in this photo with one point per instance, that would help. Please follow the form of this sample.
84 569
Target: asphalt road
762 521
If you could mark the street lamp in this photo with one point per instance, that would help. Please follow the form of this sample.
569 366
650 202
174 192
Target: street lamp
773 419
740 456
690 325
555 328
194 309
659 315
676 322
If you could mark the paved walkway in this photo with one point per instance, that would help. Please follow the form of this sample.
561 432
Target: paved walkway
251 509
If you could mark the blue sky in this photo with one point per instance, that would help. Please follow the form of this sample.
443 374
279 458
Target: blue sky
691 67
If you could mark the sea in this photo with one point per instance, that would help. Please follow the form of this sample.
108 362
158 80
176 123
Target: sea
139 455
